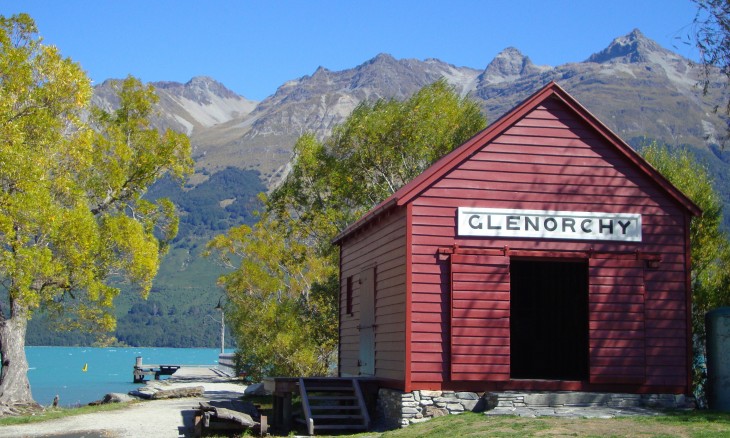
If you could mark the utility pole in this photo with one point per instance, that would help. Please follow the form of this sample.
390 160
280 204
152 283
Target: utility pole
223 326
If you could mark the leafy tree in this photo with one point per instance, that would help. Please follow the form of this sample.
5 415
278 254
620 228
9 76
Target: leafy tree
72 219
283 295
709 243
712 38
379 148
282 323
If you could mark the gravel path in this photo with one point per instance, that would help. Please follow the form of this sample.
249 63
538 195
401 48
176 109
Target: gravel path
153 418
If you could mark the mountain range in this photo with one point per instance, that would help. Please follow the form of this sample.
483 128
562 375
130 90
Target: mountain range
635 86
639 89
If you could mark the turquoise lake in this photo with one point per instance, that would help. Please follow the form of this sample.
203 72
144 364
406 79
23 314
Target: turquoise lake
60 370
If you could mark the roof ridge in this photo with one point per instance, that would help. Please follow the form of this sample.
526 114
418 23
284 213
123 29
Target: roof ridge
409 191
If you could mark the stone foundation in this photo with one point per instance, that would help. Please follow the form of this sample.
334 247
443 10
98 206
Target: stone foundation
398 409
515 399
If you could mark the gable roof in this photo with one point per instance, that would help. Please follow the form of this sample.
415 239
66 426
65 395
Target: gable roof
550 91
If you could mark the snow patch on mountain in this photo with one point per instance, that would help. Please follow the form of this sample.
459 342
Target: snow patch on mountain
204 102
187 126
463 79
219 110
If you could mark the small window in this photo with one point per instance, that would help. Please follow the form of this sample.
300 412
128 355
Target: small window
348 303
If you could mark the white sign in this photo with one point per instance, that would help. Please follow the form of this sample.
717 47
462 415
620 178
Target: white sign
581 225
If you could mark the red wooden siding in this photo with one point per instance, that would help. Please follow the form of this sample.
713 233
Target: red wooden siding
480 348
616 320
552 160
383 248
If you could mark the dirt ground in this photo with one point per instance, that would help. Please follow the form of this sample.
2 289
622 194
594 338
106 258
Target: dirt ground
153 418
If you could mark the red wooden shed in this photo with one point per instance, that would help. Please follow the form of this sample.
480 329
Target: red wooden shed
543 254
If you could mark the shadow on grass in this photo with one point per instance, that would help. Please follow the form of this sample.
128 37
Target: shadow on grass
696 416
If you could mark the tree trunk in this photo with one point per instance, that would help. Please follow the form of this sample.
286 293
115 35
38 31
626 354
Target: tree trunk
14 385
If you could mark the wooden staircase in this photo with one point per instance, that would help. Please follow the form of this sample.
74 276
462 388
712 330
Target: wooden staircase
333 404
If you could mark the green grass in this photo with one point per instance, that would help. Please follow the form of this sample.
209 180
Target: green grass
695 424
56 413
699 423
673 424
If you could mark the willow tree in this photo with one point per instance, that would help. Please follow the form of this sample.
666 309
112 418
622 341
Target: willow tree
73 223
284 293
711 35
709 242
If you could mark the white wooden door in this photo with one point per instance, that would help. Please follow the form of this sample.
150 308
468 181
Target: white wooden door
367 322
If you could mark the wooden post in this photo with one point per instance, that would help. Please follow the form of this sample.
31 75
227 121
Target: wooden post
137 374
264 426
287 411
223 332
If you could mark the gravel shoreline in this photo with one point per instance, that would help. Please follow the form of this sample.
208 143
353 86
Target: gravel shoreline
149 418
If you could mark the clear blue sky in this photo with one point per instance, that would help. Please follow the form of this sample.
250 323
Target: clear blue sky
253 47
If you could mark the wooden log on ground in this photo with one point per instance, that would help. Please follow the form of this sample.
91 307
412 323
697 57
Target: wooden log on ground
224 414
216 418
205 407
188 391
240 418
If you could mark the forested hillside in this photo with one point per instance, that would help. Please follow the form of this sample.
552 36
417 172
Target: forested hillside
180 311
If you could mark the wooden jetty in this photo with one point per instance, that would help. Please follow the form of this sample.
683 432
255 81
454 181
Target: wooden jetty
140 370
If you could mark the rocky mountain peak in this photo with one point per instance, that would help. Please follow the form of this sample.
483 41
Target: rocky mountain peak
631 48
321 73
508 65
382 58
385 76
200 89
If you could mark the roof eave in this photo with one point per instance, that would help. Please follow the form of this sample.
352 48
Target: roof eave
363 221
628 152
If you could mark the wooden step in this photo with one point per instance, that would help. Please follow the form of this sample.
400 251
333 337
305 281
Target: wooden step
337 417
333 404
333 397
329 388
334 408
341 427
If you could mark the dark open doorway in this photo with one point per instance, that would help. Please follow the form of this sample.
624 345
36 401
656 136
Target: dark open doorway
549 320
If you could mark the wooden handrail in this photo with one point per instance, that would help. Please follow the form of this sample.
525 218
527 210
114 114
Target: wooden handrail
305 406
361 401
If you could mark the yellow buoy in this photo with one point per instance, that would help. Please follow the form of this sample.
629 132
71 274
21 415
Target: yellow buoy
86 367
